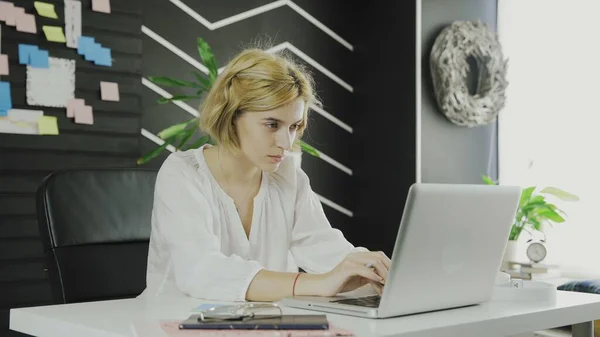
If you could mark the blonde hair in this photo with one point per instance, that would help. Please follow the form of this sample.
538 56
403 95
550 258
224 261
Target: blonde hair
254 80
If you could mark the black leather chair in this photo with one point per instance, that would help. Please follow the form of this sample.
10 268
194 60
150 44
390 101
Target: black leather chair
95 228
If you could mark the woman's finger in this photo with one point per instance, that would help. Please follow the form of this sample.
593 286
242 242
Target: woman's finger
372 260
378 287
386 260
367 273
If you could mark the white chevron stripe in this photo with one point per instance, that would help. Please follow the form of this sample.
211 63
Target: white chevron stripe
315 64
260 10
156 139
160 40
174 49
334 163
335 206
309 60
195 113
165 94
171 148
332 118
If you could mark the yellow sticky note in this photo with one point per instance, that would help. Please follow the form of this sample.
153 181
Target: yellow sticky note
45 9
54 34
47 125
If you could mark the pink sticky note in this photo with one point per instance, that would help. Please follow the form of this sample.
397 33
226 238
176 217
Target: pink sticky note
101 6
84 115
3 64
5 7
12 14
26 23
72 106
109 91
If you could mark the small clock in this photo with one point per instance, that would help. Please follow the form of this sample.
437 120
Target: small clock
536 251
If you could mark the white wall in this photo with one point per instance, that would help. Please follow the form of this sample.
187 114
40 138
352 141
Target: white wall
549 131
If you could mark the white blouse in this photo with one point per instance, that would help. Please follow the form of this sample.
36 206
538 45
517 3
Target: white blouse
198 246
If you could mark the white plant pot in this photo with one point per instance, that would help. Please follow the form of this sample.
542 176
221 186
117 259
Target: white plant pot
510 253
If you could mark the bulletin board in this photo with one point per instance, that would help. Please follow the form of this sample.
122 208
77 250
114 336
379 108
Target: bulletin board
70 97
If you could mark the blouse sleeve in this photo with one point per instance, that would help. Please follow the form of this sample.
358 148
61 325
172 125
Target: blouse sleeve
182 217
315 245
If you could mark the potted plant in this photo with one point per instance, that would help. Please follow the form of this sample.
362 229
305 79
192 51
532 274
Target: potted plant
533 211
181 135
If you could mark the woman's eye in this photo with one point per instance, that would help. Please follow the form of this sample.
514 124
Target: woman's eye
294 127
272 125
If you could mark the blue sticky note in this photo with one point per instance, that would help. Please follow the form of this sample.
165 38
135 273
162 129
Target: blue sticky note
83 43
3 113
24 52
39 59
5 99
91 51
103 57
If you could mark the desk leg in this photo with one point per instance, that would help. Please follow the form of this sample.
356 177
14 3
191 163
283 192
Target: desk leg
585 329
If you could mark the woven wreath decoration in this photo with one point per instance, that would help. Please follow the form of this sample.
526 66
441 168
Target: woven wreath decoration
449 69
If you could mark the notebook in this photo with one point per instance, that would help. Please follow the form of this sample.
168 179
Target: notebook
164 328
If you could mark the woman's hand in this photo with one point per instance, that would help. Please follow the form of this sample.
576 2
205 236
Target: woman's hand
356 270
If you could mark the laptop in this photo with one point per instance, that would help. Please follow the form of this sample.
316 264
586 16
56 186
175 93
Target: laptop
447 254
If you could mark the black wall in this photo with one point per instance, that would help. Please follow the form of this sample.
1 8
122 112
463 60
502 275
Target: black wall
113 140
384 149
451 153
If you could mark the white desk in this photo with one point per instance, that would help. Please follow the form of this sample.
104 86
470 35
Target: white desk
114 318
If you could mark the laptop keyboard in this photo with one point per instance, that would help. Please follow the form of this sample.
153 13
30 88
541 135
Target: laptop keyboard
369 301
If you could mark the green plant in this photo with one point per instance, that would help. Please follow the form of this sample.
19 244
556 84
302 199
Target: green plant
534 209
179 135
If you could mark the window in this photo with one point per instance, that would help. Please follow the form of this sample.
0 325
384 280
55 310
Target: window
549 130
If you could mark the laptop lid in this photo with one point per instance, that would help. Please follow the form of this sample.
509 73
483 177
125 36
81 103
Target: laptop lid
449 246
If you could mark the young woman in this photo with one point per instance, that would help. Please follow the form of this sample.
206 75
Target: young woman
233 222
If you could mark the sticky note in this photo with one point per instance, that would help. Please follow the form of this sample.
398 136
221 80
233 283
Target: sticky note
72 105
109 91
5 98
5 7
91 52
84 115
45 9
3 64
12 14
54 34
24 115
47 125
26 24
24 52
103 57
83 43
101 6
39 59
